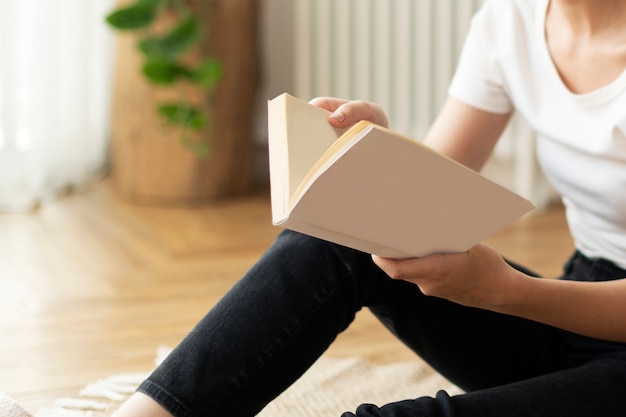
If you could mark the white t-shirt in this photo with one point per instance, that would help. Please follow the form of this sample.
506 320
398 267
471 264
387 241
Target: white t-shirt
581 138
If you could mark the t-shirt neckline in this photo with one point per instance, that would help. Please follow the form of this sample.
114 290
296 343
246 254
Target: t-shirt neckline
594 97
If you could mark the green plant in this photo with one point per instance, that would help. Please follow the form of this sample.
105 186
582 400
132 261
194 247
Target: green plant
163 66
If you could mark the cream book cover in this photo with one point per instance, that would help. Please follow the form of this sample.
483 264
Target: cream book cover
375 190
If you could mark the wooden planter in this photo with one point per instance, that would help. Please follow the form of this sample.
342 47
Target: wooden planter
149 164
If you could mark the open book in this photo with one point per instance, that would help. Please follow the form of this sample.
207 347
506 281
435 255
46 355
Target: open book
375 190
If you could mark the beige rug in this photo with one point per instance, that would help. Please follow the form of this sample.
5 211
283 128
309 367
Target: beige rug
335 385
330 387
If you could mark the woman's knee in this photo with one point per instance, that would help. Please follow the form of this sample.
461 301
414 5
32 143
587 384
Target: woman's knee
304 248
310 258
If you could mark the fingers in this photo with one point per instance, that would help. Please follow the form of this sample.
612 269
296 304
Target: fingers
345 113
404 268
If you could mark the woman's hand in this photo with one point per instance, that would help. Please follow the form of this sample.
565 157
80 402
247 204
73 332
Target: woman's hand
478 277
481 278
345 113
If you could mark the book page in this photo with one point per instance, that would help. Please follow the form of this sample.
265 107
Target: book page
308 134
334 152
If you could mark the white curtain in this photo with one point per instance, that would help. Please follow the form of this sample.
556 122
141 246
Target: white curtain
55 82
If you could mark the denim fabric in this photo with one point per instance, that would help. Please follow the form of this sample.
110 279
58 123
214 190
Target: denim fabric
284 313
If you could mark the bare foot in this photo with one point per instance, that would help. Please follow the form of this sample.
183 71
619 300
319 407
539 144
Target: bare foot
140 405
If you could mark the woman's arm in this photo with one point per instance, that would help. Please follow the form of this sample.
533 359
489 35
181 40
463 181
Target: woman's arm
594 309
481 278
465 133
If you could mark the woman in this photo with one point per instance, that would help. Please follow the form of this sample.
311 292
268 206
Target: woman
519 345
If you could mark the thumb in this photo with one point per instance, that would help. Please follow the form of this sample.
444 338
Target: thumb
351 112
345 113
328 103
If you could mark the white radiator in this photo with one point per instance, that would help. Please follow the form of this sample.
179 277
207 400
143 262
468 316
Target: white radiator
400 54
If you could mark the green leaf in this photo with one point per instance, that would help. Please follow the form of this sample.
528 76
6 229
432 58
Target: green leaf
151 3
133 17
165 72
151 48
208 73
183 115
201 149
182 37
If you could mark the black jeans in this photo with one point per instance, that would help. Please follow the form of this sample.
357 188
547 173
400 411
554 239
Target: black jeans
284 313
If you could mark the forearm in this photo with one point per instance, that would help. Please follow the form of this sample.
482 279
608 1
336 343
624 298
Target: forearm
594 309
481 278
465 133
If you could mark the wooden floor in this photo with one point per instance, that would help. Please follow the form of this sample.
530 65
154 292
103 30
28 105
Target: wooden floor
91 285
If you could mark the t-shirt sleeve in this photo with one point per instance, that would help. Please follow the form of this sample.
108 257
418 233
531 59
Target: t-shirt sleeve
478 80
